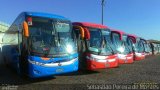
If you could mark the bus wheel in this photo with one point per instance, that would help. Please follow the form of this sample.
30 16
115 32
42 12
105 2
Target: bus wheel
21 70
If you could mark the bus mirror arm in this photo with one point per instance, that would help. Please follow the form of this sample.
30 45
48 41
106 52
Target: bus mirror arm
25 28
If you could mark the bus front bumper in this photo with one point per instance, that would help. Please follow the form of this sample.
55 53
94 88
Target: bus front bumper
139 56
37 69
95 62
125 59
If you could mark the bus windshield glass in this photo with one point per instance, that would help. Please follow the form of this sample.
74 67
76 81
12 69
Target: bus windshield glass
128 43
50 37
139 47
146 46
149 47
107 48
121 45
95 41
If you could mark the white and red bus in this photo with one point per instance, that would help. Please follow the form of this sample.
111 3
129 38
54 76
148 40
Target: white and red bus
138 47
95 47
123 46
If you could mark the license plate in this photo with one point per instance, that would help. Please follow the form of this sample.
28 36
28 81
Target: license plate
125 61
59 70
107 65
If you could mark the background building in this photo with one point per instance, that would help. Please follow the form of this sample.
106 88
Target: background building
3 28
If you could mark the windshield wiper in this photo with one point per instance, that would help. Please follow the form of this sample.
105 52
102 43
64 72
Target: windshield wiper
59 40
101 46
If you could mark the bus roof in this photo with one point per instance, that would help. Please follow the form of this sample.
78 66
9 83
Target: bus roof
47 15
143 39
118 31
131 35
87 24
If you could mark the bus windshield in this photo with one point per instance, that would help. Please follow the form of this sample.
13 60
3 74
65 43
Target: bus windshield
139 46
51 37
128 43
146 46
147 49
108 46
95 41
121 45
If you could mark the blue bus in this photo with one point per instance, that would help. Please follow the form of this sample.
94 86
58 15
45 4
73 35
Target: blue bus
40 45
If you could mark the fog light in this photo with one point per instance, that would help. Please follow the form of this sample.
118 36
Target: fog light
36 71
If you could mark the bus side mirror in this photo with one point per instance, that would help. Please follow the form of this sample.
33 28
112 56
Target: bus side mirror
81 31
87 33
25 28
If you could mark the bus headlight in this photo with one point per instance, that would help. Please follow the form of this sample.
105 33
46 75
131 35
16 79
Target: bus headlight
69 48
97 58
138 54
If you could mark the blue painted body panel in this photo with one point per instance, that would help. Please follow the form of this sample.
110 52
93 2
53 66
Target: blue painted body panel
38 59
36 71
47 15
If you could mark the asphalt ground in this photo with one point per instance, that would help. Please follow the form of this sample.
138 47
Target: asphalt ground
144 71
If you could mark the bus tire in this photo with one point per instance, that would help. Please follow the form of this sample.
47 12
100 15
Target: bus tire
23 64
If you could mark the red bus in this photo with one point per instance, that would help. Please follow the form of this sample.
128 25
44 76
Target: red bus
94 46
125 53
138 47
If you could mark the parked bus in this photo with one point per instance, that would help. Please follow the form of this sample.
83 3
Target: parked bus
138 47
94 46
147 47
41 44
123 47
